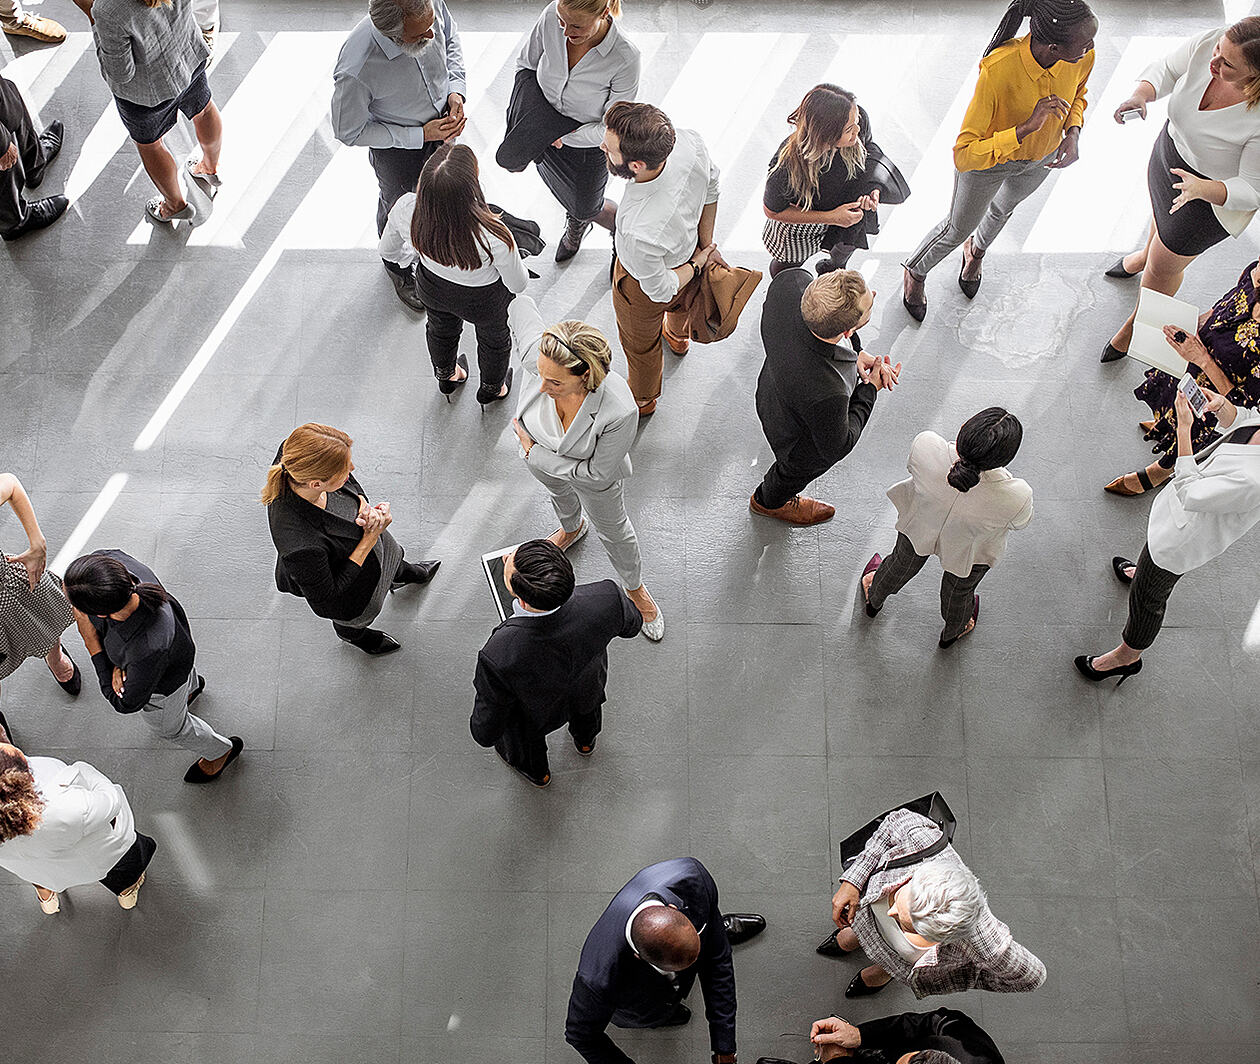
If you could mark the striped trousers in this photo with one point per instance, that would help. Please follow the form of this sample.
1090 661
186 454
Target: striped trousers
957 592
1148 598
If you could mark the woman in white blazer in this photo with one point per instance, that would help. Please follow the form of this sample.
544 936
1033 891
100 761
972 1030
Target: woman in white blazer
65 825
576 421
1204 171
958 503
1211 502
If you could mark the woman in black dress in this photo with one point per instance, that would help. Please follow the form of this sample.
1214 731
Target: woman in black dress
1223 357
825 183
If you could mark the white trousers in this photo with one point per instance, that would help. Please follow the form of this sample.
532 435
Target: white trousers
605 507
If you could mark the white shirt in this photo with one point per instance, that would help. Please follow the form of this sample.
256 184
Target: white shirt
382 96
1208 505
658 221
890 931
609 72
1223 144
502 262
85 829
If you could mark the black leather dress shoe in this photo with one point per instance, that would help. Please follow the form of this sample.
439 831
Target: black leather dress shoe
681 1016
196 774
195 693
1118 270
858 988
419 574
50 139
40 214
740 927
375 642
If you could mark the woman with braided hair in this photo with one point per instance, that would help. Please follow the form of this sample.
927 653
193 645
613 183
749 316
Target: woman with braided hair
1023 121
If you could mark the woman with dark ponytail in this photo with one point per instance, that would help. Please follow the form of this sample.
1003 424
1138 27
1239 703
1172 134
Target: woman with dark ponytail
1023 121
143 652
958 503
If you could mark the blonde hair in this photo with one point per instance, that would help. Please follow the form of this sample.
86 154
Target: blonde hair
832 303
156 3
579 348
311 452
593 7
1246 34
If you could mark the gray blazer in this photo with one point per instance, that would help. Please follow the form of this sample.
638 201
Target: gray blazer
148 55
596 449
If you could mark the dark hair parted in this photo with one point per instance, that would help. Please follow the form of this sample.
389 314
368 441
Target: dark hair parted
99 585
20 803
817 126
452 220
645 133
1050 21
933 1056
542 576
988 440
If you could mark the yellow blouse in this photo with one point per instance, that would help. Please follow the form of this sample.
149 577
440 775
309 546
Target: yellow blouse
1011 82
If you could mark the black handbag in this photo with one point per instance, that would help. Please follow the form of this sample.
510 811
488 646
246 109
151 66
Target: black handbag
882 172
933 806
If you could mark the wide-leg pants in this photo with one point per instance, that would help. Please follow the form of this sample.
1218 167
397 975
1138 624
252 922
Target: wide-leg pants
605 507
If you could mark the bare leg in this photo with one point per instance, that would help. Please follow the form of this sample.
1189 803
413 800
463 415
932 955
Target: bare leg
1164 271
159 165
1135 261
59 664
43 892
640 597
209 128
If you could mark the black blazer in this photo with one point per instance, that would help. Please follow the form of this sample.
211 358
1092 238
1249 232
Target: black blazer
313 562
535 674
948 1030
806 393
610 978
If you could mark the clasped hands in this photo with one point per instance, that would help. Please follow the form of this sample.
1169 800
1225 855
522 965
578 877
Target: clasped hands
848 214
373 519
450 125
878 371
833 1037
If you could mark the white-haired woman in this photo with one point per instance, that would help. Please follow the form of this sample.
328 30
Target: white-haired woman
927 925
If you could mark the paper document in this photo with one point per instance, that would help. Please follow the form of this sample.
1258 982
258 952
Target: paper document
1155 310
492 566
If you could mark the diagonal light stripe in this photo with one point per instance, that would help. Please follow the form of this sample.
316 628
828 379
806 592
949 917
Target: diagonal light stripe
89 523
39 73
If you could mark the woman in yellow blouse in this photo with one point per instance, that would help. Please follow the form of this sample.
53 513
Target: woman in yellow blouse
1023 122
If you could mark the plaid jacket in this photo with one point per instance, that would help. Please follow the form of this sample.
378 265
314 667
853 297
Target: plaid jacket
988 959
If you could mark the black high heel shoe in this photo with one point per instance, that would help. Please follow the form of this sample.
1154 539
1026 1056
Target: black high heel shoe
1111 354
1119 565
447 385
1118 269
486 398
1085 666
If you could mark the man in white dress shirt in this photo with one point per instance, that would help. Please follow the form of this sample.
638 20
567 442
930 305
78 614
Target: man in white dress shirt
399 91
664 235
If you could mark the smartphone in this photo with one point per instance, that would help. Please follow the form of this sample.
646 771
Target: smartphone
1193 393
1130 113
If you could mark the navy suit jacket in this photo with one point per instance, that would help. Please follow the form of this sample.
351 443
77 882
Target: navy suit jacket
947 1030
611 979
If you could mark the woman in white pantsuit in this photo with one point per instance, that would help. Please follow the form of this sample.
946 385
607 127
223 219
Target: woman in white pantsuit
576 422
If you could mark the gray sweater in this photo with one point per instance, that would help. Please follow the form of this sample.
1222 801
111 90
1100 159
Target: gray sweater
148 55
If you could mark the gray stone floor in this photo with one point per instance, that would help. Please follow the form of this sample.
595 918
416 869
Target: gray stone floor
369 885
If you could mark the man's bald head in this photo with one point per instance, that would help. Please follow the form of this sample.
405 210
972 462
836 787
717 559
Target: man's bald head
665 938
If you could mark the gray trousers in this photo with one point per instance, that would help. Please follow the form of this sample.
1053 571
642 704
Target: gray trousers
168 716
983 203
1148 599
957 592
605 507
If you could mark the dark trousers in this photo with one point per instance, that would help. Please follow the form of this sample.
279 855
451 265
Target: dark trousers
130 866
30 162
659 1012
527 749
790 473
353 634
1148 599
957 592
577 178
484 307
397 173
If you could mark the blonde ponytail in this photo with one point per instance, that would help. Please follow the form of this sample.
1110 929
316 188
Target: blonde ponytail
311 452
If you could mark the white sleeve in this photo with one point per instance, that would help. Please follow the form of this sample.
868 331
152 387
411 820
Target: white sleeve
532 47
1165 72
1242 193
507 260
395 244
526 326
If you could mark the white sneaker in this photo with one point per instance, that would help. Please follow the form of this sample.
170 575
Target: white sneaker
128 898
52 905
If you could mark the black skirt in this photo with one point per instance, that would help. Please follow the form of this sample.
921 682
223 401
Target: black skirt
1194 228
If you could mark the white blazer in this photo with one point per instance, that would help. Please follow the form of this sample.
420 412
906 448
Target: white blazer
963 529
1211 502
85 830
595 449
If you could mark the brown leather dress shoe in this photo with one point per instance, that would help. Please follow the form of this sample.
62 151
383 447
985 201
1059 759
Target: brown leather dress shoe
37 27
798 510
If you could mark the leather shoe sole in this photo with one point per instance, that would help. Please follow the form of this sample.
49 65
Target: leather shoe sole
801 510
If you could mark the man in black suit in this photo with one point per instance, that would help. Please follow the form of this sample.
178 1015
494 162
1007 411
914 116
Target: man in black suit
810 401
24 156
642 957
546 665
945 1036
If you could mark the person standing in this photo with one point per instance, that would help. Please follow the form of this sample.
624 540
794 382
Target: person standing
641 959
547 664
582 65
153 58
334 547
664 235
817 386
1023 121
24 157
63 826
18 23
33 610
142 649
576 422
958 503
399 91
1204 172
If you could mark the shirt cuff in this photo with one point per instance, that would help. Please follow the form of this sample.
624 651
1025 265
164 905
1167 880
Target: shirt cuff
1186 466
1005 143
1240 195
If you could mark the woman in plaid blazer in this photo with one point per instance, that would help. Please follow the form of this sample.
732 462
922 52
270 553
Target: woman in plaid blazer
927 925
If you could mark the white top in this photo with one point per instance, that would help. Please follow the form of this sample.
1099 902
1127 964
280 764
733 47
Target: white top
1209 504
890 931
502 262
1223 144
75 841
962 528
658 220
607 73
